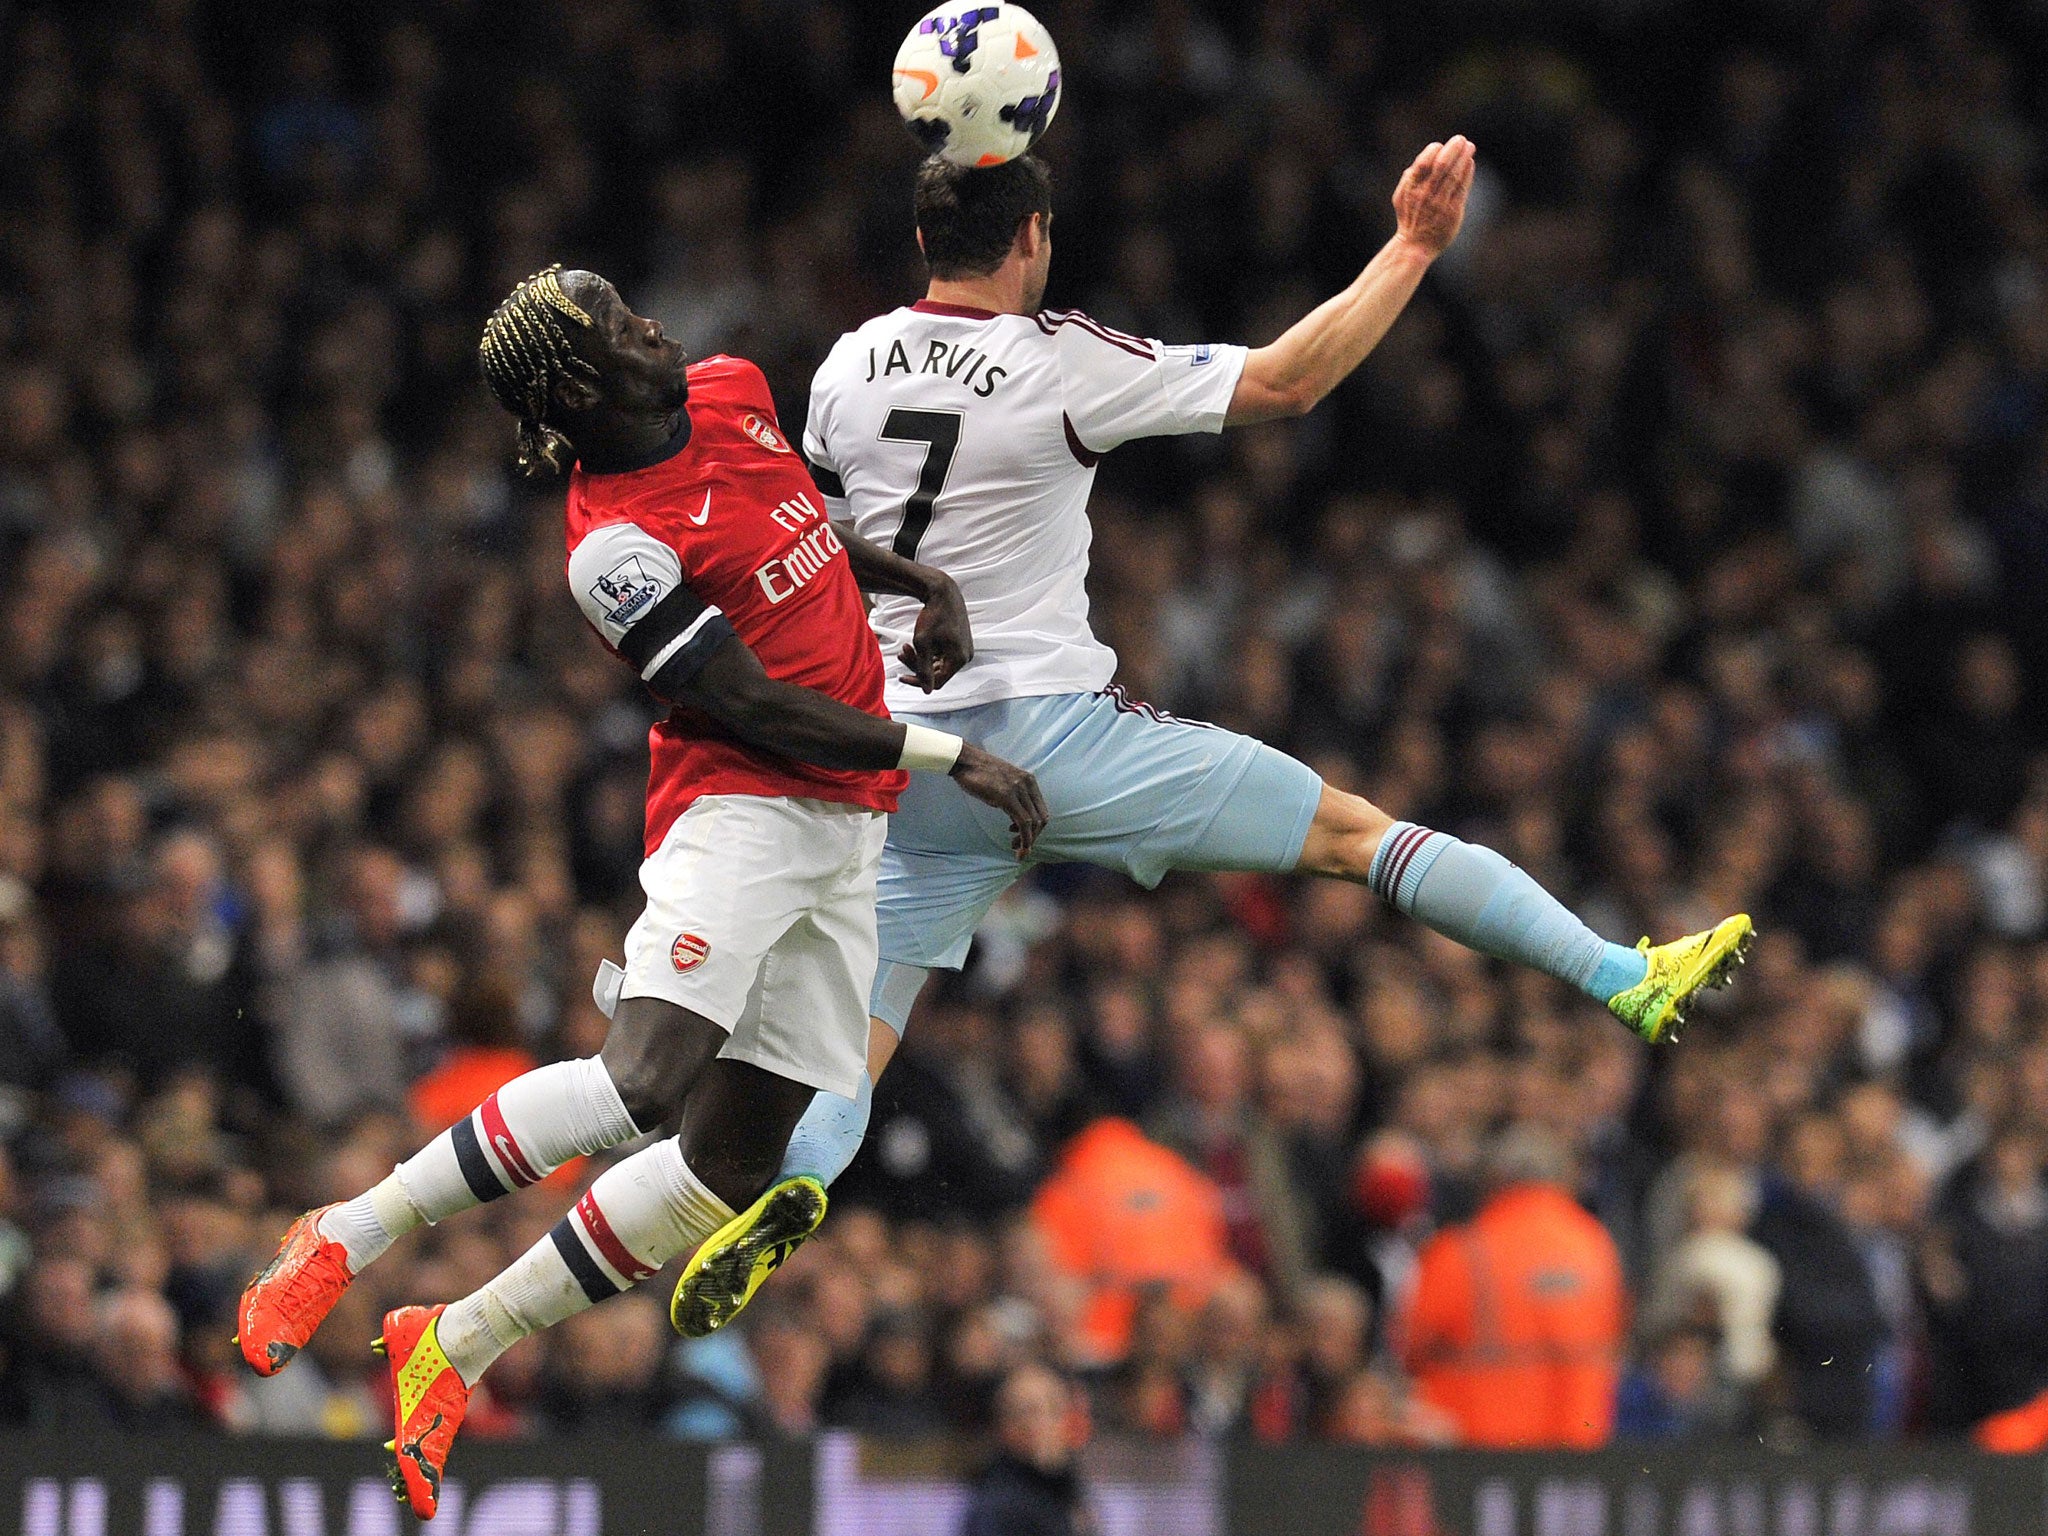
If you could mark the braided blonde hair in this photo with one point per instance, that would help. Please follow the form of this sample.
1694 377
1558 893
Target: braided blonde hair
525 352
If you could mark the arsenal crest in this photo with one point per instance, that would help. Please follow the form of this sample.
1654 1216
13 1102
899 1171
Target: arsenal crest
763 434
688 951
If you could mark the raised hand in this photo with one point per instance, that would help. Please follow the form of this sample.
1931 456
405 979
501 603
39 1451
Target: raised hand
1429 204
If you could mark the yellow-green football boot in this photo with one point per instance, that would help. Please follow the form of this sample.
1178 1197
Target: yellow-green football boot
723 1275
1679 971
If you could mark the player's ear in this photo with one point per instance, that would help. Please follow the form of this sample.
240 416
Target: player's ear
575 393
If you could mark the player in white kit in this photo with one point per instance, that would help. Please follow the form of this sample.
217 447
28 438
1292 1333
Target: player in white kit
964 431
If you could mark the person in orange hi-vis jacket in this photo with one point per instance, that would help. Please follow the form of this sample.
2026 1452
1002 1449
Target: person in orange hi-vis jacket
1122 1214
1517 1318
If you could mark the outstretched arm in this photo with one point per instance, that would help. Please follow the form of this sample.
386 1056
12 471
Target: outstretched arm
943 641
732 687
1318 352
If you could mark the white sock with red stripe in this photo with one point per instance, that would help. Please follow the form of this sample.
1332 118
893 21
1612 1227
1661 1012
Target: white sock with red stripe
516 1137
637 1216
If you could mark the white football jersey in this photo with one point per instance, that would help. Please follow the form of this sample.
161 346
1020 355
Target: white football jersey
969 440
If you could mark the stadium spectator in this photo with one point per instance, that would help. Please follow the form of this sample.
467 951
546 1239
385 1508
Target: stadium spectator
1722 1276
1122 1214
1987 1283
947 1138
16 1252
484 1053
1517 1322
1033 1486
1211 1121
793 1361
1229 1382
1829 1325
53 1380
717 1390
605 1375
136 1335
336 1007
31 1046
1677 1391
1335 1323
893 1393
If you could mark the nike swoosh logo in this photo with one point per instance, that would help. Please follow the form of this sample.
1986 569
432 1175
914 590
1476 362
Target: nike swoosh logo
700 518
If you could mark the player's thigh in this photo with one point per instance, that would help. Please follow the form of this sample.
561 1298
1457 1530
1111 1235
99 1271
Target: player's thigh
935 815
730 878
947 860
928 904
1258 819
806 1018
1110 771
1140 790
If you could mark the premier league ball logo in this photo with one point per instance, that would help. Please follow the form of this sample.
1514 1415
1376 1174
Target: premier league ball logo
977 84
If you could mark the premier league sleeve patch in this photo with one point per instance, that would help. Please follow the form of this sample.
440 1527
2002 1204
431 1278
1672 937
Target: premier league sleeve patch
625 591
630 586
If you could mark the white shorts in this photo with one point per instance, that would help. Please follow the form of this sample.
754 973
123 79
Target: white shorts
761 917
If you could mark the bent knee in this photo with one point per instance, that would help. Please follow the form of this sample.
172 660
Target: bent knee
1343 837
651 1085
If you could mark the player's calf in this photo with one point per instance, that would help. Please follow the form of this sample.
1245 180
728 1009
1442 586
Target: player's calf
1474 895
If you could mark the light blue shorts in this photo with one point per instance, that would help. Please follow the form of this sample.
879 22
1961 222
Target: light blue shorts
1130 788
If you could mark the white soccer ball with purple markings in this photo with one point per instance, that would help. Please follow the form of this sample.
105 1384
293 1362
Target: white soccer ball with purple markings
978 83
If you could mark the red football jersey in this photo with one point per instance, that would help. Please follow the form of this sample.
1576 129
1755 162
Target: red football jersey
726 533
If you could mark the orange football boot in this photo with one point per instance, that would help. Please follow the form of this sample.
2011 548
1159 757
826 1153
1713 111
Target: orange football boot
292 1296
428 1401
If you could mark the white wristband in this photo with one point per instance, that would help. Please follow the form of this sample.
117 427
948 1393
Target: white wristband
928 750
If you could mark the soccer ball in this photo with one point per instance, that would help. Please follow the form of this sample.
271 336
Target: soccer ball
978 83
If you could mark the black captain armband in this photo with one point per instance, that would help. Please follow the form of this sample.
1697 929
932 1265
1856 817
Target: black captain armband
670 645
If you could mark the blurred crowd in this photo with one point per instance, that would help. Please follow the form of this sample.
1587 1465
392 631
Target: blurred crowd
1685 541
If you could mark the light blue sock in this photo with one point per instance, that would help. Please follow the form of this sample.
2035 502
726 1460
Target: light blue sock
824 1141
1475 896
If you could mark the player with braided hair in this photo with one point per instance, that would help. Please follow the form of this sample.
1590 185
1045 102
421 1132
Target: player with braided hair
525 352
700 553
